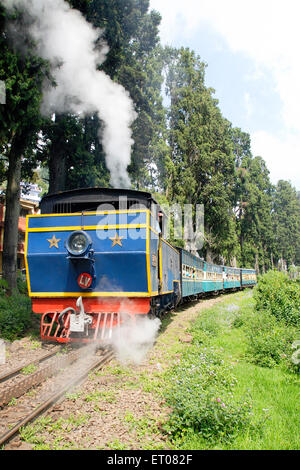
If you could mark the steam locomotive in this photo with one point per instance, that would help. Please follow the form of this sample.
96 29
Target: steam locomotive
96 258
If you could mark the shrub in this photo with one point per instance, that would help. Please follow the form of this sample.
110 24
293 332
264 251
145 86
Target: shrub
269 341
280 296
22 285
274 328
238 321
3 286
15 315
201 397
206 324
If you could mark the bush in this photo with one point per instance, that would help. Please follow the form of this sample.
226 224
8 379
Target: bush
274 328
15 315
280 296
269 341
201 397
22 284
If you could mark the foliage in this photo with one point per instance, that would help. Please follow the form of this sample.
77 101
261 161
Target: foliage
15 310
274 327
202 397
15 315
134 61
271 422
254 216
22 284
279 296
269 341
201 165
73 144
23 76
286 222
294 272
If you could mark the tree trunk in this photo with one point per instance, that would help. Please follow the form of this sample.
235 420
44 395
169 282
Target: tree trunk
257 263
12 212
57 171
272 262
57 160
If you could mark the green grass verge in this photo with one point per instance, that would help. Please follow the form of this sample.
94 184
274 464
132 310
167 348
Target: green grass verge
269 418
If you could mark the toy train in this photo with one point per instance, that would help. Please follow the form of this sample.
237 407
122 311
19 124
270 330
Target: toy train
95 257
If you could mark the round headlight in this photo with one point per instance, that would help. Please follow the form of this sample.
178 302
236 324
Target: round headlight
78 243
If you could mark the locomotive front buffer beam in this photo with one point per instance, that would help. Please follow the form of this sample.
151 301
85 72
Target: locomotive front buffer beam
74 325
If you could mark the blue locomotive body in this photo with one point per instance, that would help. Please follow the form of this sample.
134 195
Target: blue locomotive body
53 271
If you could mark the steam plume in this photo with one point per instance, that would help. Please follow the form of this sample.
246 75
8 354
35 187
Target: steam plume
67 41
135 338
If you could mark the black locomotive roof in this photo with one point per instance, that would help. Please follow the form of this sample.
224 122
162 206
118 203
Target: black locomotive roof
87 199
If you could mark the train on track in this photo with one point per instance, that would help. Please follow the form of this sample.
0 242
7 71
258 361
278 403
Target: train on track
96 257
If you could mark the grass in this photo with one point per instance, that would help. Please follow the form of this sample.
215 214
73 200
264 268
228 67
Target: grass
30 369
276 397
274 391
33 433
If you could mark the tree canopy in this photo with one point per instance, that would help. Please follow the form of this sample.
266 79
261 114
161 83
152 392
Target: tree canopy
184 149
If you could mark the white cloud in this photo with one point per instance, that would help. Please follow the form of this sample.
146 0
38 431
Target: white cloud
267 32
248 104
281 153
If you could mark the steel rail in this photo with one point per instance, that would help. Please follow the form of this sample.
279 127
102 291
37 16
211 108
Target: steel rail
10 374
60 362
97 363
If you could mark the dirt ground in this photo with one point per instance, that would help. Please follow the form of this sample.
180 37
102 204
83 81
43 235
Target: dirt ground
117 407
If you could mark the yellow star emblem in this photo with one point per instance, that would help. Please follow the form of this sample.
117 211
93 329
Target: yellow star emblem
53 241
116 240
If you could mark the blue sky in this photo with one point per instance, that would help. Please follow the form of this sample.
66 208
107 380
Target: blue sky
251 48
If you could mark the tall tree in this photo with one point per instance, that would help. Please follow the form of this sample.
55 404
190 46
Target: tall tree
131 32
254 217
20 118
73 153
286 222
201 166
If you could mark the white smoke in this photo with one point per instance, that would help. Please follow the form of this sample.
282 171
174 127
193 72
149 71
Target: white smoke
134 338
64 37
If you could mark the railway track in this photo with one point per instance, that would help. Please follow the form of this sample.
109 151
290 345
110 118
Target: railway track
13 372
14 383
68 370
